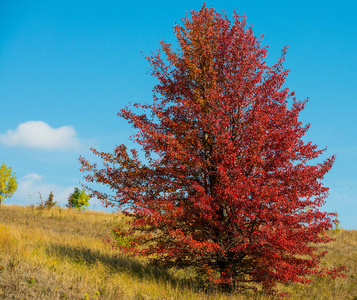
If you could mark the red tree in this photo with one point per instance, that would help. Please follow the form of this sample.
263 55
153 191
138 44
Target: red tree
227 186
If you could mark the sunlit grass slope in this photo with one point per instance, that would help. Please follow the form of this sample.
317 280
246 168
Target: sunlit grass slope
59 254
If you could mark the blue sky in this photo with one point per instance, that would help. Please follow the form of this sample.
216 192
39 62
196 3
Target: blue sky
67 68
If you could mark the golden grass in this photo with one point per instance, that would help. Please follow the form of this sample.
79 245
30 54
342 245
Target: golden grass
58 254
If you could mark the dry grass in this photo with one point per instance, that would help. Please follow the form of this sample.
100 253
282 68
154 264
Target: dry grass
58 254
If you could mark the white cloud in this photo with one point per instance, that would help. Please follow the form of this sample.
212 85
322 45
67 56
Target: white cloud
31 184
39 135
30 179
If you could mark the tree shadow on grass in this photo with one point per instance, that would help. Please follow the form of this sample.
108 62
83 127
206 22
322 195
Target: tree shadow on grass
121 263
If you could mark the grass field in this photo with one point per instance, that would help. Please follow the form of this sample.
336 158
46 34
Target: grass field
58 254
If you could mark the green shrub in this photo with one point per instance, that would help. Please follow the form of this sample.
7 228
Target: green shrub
79 199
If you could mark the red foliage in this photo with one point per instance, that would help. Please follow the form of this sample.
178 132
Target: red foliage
228 186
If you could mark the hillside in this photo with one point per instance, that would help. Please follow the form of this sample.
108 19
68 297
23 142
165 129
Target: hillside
58 254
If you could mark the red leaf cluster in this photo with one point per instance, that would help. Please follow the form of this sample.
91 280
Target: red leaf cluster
228 185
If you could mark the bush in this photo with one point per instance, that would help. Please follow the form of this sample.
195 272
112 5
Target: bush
49 203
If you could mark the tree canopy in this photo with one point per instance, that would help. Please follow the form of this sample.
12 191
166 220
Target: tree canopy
8 183
227 179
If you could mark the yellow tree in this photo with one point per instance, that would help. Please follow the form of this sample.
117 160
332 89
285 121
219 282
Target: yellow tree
8 184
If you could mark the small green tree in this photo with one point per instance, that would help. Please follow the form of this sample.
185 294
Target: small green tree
79 199
8 184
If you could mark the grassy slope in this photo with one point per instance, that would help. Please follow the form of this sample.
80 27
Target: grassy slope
58 254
